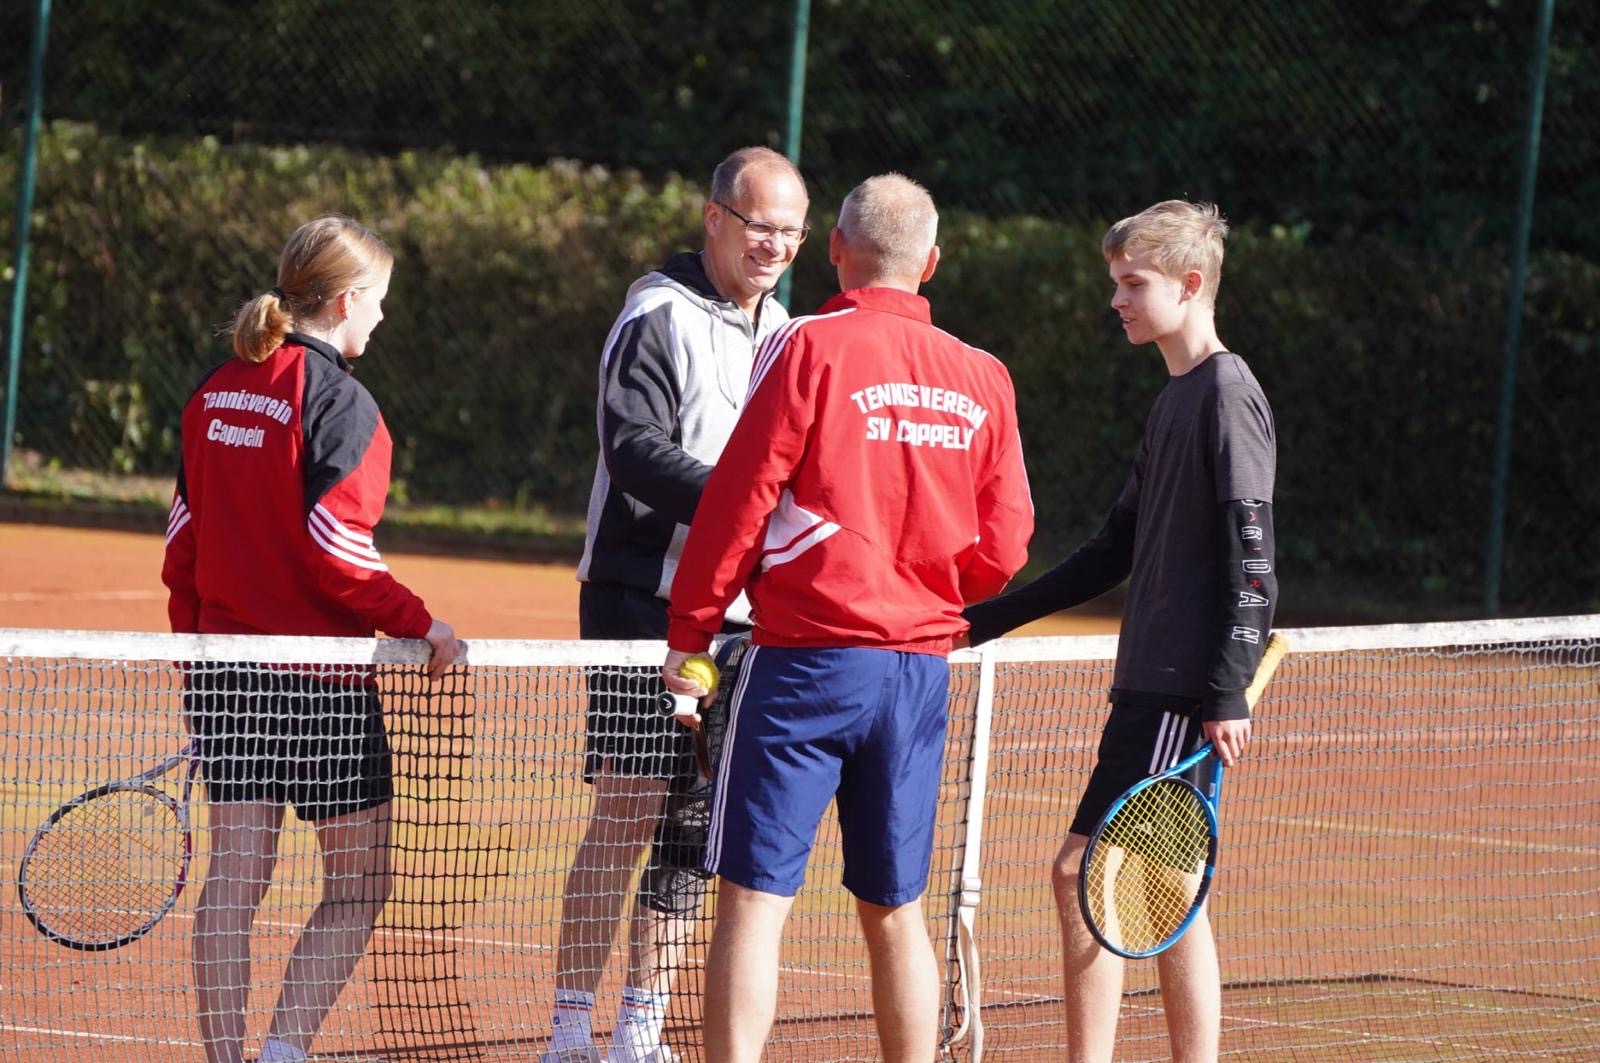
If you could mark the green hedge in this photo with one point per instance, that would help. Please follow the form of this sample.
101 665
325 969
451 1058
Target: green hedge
507 281
1382 362
1383 367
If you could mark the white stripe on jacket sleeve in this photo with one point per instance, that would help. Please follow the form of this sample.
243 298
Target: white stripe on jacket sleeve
341 542
177 519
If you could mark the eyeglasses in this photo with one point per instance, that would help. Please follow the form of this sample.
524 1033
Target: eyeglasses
765 230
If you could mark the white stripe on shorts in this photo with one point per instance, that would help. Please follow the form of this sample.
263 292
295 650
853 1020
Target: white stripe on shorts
1169 742
719 793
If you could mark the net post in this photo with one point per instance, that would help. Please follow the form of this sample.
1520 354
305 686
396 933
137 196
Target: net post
1494 550
19 284
971 863
799 45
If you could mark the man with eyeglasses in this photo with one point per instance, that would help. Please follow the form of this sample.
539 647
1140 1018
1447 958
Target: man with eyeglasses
673 376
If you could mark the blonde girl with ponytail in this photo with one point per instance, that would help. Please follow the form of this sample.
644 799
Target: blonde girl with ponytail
282 480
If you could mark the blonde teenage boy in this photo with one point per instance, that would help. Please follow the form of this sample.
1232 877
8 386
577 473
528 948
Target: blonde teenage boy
1193 530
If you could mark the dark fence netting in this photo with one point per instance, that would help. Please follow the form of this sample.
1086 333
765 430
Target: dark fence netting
527 160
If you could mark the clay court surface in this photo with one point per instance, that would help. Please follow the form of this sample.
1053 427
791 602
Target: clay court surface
111 581
54 577
1408 869
482 845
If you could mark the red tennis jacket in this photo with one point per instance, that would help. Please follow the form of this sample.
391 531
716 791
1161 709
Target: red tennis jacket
873 485
284 473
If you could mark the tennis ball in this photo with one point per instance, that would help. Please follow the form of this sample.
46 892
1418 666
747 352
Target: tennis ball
699 669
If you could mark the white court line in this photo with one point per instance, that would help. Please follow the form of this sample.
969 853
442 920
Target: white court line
1363 1036
497 943
1027 797
1413 835
991 992
87 1035
1133 1007
399 932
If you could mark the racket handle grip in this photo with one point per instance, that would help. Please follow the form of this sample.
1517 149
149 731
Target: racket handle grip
685 704
1277 646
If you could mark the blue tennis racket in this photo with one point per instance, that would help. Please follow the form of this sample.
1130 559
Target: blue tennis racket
1149 864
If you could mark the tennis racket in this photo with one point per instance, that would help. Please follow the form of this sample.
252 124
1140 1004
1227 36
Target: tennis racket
714 720
1149 863
107 865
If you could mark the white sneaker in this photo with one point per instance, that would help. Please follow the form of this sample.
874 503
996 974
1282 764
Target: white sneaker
575 1054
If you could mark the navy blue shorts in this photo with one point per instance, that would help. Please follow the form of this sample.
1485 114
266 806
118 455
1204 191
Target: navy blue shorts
865 727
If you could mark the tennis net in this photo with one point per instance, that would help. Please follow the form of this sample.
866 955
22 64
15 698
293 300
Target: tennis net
1410 863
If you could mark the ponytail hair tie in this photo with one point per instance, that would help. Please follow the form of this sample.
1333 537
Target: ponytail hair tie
279 293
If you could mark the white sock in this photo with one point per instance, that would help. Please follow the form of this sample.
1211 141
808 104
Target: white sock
570 1022
639 1021
276 1051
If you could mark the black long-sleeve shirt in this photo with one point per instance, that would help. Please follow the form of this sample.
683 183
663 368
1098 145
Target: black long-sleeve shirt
1193 529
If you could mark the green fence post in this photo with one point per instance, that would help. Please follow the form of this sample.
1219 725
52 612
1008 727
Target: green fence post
797 97
1494 554
19 282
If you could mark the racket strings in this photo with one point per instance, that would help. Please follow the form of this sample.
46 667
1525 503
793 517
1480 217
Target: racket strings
1146 868
107 867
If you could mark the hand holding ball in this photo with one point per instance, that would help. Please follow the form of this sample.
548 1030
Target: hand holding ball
700 669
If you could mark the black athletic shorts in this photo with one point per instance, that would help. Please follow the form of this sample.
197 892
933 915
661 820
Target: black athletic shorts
629 723
270 734
1141 739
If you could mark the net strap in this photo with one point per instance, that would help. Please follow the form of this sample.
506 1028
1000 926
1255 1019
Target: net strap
970 989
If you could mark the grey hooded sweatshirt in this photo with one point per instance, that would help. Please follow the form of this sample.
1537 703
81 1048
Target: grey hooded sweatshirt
673 377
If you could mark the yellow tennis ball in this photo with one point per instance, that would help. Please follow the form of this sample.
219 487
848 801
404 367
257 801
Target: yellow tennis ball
700 669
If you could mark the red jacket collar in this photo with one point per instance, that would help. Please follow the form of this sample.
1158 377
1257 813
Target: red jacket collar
888 300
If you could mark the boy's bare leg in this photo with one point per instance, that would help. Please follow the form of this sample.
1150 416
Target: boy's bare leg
1092 976
905 981
1191 994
